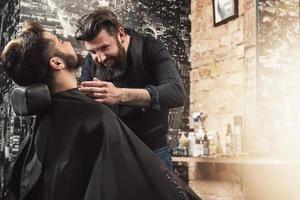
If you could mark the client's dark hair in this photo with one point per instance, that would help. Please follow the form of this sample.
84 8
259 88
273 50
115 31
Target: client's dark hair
88 26
25 59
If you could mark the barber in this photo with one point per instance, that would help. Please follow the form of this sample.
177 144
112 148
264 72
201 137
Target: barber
133 74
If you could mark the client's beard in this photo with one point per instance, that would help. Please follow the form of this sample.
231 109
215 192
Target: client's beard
110 73
71 62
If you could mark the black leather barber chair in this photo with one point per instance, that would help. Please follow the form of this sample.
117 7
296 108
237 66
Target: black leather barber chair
31 100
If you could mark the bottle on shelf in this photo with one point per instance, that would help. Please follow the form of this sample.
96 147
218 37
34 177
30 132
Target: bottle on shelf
199 132
238 136
201 147
205 142
212 138
182 149
218 144
229 150
192 142
238 139
183 140
196 120
198 148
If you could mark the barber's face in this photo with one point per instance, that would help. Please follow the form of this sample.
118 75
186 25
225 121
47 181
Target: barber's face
106 49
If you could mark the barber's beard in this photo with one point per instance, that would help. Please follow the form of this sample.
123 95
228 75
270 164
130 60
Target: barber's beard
117 69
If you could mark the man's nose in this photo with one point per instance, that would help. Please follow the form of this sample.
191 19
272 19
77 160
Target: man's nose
100 57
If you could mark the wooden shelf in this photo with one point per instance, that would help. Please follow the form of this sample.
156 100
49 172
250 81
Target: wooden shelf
242 161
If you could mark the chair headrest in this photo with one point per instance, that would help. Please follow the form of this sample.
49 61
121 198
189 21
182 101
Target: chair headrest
31 100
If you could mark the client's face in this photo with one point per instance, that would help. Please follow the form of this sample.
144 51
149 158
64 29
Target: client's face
66 51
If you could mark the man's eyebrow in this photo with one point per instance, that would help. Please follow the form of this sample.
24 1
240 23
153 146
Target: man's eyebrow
97 48
93 49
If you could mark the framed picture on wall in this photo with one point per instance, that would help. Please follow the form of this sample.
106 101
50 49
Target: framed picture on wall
224 11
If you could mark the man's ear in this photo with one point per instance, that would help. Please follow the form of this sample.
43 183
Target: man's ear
121 35
56 63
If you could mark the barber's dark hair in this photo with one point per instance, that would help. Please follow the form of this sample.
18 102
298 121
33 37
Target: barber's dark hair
25 59
88 26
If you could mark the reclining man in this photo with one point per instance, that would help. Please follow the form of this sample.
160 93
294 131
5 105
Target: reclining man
80 149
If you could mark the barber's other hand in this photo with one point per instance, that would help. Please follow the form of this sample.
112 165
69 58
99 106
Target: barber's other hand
101 91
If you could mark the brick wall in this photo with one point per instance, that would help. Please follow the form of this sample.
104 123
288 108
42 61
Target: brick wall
223 69
223 82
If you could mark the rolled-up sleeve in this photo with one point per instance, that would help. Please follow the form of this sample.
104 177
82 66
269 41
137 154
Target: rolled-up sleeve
169 91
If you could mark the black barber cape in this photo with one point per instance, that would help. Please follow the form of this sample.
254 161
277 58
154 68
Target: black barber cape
82 151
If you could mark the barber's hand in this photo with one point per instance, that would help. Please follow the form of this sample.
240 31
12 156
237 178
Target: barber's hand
101 91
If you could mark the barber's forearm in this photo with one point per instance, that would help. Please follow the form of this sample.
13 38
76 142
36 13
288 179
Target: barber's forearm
135 97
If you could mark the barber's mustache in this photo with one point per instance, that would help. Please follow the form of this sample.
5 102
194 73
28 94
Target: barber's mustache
107 63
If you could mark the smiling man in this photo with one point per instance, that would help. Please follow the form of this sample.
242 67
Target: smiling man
133 74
